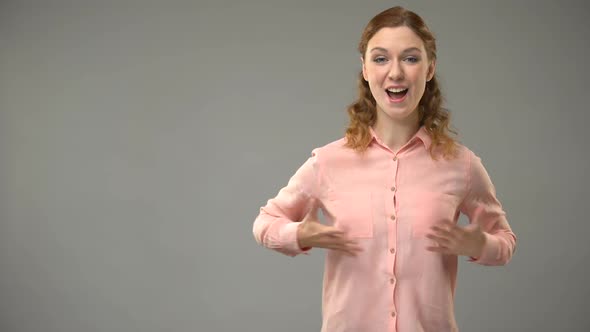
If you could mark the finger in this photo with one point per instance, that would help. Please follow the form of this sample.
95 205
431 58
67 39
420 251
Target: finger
341 242
442 240
327 242
353 253
334 232
471 227
354 247
344 245
442 250
447 224
441 230
337 247
351 243
350 251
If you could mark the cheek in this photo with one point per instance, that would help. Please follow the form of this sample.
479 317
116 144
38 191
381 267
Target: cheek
419 91
419 86
375 87
375 73
375 81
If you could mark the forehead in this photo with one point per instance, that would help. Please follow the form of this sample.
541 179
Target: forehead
395 39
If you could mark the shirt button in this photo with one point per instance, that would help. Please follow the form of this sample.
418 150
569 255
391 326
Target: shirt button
394 158
392 217
393 314
392 250
393 188
392 280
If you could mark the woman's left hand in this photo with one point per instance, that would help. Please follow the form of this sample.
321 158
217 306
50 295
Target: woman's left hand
453 239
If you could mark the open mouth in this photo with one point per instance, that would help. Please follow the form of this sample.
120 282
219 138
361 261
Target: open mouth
396 95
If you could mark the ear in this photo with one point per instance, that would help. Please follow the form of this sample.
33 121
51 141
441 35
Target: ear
364 69
431 70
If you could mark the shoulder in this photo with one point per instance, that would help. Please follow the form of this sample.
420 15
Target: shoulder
463 152
459 159
331 149
461 155
472 163
334 153
467 155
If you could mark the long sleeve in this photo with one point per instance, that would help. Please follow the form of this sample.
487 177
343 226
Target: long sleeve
276 225
482 207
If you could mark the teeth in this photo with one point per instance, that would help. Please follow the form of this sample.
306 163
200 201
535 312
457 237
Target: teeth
396 90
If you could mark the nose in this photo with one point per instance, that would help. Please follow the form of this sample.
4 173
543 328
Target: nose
396 72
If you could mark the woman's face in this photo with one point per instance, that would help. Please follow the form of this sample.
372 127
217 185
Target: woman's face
397 69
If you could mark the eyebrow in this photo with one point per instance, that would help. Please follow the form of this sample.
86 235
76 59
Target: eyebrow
407 50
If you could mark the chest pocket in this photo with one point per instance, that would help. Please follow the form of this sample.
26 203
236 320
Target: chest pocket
351 212
434 209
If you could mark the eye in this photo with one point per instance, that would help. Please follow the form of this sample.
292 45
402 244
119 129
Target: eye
412 59
380 59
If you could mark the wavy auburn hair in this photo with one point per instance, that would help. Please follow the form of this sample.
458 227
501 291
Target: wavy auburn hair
363 112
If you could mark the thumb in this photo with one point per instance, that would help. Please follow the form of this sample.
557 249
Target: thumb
313 210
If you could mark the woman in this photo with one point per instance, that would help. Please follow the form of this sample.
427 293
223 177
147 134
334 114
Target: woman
391 192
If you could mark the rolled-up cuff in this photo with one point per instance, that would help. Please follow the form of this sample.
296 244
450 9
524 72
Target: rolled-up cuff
288 238
491 251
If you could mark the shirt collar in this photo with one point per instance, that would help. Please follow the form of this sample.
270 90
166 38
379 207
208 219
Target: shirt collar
422 135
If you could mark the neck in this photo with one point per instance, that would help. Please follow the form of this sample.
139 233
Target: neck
396 133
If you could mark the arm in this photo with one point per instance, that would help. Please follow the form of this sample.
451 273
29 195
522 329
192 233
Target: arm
276 225
483 208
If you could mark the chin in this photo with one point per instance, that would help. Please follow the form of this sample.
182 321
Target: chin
398 113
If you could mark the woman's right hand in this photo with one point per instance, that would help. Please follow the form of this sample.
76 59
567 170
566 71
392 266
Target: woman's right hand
312 233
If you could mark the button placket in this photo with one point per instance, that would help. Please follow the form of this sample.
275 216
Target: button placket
393 187
393 219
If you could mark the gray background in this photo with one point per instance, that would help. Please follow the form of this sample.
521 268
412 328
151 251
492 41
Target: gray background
139 139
